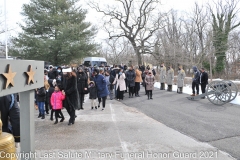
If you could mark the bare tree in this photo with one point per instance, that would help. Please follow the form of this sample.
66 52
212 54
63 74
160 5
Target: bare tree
137 21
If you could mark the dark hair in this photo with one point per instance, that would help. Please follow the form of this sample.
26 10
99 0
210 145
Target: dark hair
203 69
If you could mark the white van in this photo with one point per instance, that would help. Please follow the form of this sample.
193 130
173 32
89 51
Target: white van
91 61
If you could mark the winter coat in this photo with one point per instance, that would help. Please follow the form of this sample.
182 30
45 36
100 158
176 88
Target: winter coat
57 100
143 78
53 74
49 94
111 80
138 76
120 82
154 72
163 74
149 80
41 94
72 101
12 115
107 80
92 91
82 82
100 82
196 75
203 78
130 76
114 72
170 76
180 78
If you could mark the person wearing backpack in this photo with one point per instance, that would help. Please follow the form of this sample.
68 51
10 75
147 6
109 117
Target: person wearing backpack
10 115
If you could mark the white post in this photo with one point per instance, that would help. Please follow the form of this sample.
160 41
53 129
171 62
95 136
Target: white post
6 37
27 123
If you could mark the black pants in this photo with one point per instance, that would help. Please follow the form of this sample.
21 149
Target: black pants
131 91
81 96
203 88
194 84
149 93
126 86
46 106
119 94
57 112
103 100
71 114
137 88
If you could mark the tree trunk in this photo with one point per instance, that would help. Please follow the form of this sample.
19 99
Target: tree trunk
137 52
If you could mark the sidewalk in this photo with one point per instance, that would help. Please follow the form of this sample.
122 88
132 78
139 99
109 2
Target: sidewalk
118 132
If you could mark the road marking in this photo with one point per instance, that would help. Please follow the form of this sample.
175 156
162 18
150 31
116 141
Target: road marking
123 144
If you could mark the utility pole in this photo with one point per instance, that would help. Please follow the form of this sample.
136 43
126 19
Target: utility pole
6 37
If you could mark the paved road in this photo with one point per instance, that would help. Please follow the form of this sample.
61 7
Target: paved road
119 132
216 125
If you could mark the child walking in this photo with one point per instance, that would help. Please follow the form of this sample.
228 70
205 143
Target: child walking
92 94
57 103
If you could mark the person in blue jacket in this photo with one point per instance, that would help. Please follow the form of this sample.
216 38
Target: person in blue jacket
101 84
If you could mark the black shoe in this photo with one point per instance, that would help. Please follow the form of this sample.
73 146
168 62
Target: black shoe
138 95
81 108
202 97
151 98
62 119
55 122
102 109
43 117
98 106
69 123
92 108
95 107
39 116
47 112
51 119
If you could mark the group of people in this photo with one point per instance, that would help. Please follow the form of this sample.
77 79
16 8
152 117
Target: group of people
68 87
200 77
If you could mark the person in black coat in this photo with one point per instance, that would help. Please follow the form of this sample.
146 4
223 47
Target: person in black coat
130 76
71 102
92 94
59 75
53 73
203 80
82 85
41 98
111 87
10 111
113 72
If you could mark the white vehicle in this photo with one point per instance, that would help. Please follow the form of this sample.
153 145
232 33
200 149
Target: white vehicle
91 61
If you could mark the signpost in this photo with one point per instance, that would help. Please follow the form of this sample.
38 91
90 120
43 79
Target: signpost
20 76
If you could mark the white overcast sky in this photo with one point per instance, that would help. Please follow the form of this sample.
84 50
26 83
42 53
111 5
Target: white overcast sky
14 7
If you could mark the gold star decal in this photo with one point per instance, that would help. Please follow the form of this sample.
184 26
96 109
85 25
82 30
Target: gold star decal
30 75
9 76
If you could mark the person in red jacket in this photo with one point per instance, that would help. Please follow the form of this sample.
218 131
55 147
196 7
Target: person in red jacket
57 103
